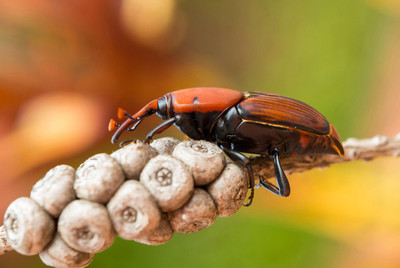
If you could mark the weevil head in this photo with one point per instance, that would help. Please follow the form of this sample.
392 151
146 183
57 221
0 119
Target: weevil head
132 121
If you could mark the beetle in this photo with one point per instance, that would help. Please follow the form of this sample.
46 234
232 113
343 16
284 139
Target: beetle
251 122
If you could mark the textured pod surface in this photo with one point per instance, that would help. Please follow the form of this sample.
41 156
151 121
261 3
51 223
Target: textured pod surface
198 213
59 254
168 180
162 234
133 210
133 158
229 189
165 145
98 178
204 159
86 226
4 245
55 190
28 227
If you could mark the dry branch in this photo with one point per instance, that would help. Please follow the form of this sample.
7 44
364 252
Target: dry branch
355 149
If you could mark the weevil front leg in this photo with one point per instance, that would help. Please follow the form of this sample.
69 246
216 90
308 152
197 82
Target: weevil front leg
162 127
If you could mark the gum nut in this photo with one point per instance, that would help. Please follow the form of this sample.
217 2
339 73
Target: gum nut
55 190
204 159
28 227
195 215
169 182
162 234
164 145
86 226
133 158
59 254
133 210
229 189
98 178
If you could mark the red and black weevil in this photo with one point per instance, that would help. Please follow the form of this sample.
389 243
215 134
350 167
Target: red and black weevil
249 122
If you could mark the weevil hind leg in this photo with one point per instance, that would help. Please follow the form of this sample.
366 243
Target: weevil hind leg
245 162
283 186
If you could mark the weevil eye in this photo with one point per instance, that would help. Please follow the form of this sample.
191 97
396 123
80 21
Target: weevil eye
162 108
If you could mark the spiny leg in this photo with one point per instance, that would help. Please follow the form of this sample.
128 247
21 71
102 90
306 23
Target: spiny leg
283 188
243 161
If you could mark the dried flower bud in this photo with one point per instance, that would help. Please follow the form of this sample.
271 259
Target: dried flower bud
168 180
55 190
98 178
133 158
162 234
229 189
86 226
204 159
198 213
59 254
133 210
164 145
28 227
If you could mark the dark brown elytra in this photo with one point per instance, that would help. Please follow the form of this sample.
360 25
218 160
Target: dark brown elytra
249 122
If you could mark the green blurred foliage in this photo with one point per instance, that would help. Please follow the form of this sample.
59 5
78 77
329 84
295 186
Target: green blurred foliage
239 241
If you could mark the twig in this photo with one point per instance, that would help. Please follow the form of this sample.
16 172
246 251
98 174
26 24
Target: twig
355 149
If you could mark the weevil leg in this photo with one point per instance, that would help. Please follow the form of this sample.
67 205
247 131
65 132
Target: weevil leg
243 161
161 127
283 188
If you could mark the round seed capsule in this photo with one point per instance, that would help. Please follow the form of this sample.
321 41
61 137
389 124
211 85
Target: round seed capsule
133 158
164 145
28 227
168 180
204 159
4 246
133 210
229 189
98 178
86 226
162 234
55 190
59 254
198 213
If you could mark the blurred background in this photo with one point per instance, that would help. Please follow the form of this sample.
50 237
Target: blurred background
66 66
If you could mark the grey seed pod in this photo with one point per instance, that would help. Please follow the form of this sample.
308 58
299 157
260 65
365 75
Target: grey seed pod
55 190
164 145
168 180
162 234
28 227
86 226
98 178
133 158
229 189
133 210
198 213
4 245
59 254
204 159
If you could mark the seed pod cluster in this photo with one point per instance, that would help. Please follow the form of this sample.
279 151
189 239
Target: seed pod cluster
140 192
